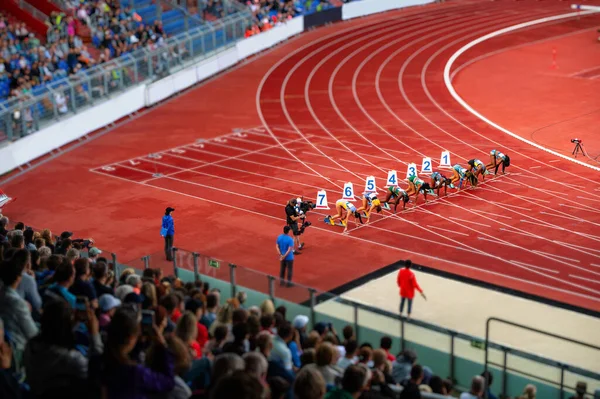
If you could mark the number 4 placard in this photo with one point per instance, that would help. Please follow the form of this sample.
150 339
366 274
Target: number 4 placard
322 200
392 179
348 191
370 186
445 159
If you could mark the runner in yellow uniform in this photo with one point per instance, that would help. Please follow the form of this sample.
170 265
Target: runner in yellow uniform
342 206
369 203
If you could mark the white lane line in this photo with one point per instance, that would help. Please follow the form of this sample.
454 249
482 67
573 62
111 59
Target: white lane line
584 278
556 256
469 221
449 231
535 267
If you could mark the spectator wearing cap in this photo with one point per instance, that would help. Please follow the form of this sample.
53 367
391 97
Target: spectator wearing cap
167 232
93 254
300 322
134 299
107 304
407 282
82 286
403 364
13 309
285 250
100 282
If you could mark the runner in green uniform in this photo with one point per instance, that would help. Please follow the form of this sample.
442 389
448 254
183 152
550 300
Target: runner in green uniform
416 186
395 193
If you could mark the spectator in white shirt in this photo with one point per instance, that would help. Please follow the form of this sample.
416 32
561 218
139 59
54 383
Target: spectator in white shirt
13 309
61 103
476 391
280 351
27 288
351 348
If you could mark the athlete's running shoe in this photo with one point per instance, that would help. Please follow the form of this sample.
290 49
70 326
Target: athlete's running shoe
452 185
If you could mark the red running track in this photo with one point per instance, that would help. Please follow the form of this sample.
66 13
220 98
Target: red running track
339 104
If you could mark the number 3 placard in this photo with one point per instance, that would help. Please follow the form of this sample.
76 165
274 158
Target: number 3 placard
411 170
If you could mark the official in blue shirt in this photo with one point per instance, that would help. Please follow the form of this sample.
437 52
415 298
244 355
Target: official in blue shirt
168 231
285 250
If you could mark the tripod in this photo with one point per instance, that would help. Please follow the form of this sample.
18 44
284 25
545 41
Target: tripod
578 149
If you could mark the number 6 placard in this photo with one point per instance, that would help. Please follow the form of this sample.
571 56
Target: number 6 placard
348 191
322 200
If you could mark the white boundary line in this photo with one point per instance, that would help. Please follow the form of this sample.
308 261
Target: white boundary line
463 103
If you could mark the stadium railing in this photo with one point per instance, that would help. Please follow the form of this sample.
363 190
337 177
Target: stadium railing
449 353
53 102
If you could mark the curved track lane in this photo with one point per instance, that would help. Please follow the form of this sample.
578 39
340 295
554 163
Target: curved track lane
372 98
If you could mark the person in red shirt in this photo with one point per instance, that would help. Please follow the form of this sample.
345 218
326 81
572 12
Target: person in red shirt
386 345
407 282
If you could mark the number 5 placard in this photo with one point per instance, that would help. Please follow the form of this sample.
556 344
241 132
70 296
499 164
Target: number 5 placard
370 186
322 200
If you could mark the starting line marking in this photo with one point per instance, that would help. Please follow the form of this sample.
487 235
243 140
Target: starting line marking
534 267
555 160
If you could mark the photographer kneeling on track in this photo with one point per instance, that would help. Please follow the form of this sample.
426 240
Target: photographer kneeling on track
295 211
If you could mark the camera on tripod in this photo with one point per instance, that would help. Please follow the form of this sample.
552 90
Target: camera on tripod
578 147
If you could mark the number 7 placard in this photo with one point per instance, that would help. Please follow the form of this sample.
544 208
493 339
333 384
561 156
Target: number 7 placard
322 200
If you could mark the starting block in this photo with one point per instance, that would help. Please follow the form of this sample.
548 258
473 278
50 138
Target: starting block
327 220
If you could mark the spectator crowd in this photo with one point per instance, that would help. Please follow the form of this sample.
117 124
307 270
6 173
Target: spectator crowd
25 62
71 328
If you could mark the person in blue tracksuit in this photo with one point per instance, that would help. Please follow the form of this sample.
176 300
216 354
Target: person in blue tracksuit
168 231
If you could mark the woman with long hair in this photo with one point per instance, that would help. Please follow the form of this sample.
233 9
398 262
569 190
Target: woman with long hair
187 331
122 377
53 366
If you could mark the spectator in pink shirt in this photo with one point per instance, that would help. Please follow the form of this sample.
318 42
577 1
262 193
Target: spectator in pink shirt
407 282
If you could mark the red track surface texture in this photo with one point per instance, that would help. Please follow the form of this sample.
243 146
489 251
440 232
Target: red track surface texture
346 101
